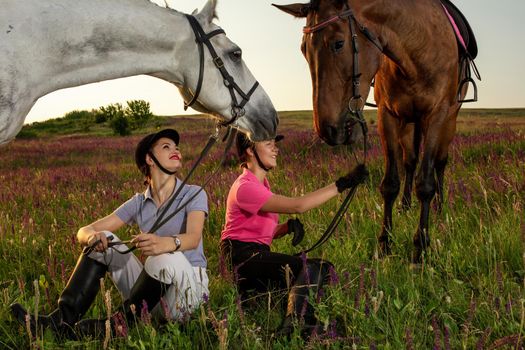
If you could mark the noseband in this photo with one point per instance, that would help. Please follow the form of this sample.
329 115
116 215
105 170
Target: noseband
203 38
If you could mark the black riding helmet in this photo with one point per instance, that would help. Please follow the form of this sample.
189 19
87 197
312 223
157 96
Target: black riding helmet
243 143
144 148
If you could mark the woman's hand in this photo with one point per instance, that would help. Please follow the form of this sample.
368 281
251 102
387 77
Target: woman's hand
151 244
358 175
98 241
296 228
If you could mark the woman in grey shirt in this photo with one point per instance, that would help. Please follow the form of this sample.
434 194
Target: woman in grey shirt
173 280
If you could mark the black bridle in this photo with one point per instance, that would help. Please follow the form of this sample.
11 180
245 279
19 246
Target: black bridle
201 38
355 104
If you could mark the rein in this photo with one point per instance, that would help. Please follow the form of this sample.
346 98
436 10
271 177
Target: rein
355 106
162 219
237 109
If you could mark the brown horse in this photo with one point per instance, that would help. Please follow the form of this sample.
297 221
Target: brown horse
410 49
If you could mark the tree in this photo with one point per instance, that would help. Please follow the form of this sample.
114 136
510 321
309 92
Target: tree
117 118
138 113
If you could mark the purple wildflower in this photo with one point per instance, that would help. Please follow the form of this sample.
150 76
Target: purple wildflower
331 332
361 288
320 295
446 334
120 325
373 278
408 339
334 278
239 309
480 345
165 308
437 334
145 316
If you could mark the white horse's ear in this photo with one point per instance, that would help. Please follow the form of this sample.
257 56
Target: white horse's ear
208 11
195 12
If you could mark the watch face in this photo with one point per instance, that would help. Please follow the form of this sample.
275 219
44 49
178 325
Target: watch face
177 242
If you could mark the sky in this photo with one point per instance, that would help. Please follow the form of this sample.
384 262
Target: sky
270 40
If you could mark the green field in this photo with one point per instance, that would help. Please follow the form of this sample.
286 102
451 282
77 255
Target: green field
468 294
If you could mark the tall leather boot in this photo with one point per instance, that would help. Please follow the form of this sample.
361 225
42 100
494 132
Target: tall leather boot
146 289
300 308
75 300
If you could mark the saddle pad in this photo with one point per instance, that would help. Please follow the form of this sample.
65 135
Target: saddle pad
465 35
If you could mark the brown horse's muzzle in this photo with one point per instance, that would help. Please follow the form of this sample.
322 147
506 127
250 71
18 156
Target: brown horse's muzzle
345 132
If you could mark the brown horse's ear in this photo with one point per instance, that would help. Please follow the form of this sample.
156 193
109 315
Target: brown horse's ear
296 10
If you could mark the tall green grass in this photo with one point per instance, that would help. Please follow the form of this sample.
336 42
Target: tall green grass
468 293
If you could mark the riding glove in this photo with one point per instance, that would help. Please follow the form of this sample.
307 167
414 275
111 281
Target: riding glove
358 175
296 227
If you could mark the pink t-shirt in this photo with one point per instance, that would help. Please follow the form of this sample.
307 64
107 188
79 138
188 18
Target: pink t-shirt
244 220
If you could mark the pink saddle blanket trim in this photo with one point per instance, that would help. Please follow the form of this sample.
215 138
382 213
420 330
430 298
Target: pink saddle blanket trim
455 27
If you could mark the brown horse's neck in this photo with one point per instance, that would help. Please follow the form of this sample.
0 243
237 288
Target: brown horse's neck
408 29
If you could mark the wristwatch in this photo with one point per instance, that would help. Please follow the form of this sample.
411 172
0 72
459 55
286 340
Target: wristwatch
176 239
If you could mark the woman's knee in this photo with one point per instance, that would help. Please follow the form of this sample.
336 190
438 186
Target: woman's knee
168 268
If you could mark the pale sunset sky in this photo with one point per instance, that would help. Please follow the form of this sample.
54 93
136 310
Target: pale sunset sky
270 42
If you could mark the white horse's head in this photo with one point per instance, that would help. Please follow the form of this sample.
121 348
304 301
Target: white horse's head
259 118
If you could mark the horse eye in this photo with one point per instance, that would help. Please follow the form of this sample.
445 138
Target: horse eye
236 55
337 46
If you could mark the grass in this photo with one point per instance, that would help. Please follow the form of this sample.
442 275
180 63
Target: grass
469 293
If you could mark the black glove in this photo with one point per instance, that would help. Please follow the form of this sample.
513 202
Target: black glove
296 227
353 178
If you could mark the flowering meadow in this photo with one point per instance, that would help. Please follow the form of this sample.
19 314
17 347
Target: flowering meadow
469 293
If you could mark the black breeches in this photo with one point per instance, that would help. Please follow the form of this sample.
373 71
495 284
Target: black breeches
255 267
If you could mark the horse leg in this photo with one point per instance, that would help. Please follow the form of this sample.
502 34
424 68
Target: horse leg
410 138
447 134
440 177
435 153
388 131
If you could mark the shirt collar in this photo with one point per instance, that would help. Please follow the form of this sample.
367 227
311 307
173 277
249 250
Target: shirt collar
251 176
148 194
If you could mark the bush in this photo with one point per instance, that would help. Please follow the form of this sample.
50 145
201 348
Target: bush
79 115
120 125
112 111
138 113
26 133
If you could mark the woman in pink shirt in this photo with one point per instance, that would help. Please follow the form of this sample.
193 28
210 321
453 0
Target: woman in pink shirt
252 223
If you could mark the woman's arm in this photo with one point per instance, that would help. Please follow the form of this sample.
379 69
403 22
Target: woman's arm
296 205
151 244
89 234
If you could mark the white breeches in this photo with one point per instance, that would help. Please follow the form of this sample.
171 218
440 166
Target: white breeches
189 284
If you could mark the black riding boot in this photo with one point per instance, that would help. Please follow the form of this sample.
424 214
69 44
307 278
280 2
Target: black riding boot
146 289
311 278
75 300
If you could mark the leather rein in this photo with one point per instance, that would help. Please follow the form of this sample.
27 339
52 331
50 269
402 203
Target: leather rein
355 104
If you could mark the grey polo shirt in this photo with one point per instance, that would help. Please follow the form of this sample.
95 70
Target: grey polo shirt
142 210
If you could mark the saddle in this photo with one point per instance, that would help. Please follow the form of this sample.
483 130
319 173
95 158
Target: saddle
467 47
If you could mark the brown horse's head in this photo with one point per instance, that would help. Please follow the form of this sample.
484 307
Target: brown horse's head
330 55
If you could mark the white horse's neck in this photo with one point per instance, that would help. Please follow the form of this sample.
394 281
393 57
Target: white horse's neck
100 40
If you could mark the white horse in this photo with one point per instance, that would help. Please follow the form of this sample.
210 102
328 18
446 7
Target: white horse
47 45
